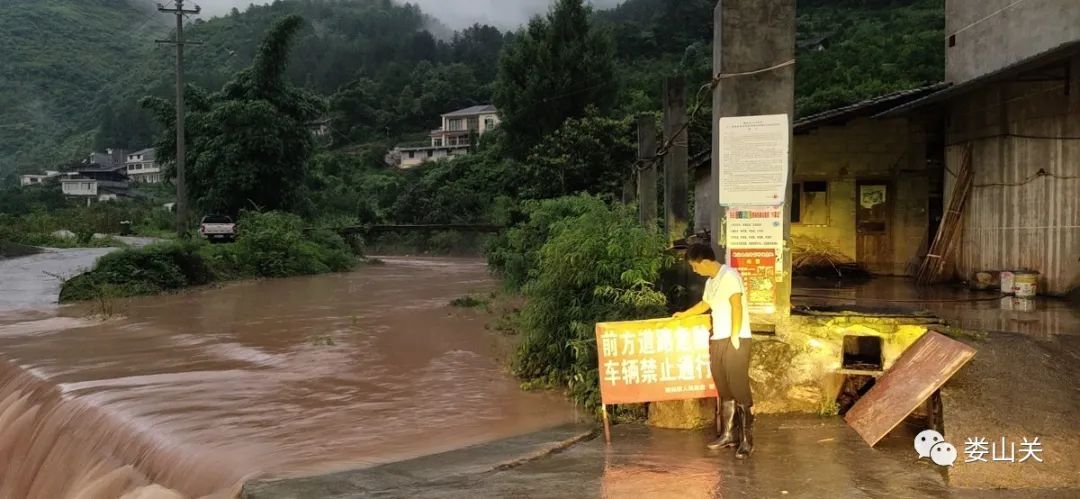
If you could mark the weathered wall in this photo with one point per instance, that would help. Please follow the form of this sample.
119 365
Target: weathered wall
892 150
1016 218
798 370
992 34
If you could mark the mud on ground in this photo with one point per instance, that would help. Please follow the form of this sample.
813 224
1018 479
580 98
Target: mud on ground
1017 386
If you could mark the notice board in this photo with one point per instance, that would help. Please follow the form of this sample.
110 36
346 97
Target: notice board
754 153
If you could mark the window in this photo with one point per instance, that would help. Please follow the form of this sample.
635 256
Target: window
412 154
810 203
436 142
430 153
456 125
489 123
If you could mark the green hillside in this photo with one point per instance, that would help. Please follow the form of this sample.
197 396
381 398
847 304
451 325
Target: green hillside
72 71
56 56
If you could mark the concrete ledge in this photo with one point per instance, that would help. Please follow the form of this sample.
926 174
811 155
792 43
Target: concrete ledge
478 459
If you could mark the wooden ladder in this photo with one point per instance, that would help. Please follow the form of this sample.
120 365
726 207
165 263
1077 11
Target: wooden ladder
933 265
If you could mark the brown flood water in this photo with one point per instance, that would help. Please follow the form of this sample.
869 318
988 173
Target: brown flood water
201 391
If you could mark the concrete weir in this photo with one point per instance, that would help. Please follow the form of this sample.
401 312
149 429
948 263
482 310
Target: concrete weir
424 471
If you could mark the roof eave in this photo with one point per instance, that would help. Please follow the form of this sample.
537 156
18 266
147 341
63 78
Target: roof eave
954 90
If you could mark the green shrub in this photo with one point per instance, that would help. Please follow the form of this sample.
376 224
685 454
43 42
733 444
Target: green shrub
595 267
224 261
273 245
269 245
468 302
144 271
514 255
156 222
333 250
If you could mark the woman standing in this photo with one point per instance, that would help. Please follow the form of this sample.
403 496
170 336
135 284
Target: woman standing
729 347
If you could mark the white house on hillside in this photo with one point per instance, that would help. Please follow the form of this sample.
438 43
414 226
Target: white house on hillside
452 139
34 179
141 167
96 182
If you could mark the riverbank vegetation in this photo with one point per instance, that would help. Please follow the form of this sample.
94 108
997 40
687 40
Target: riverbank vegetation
271 244
42 216
583 261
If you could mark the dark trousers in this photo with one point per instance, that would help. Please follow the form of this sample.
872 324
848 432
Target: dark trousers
731 369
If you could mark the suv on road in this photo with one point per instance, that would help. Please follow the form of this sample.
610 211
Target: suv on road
217 228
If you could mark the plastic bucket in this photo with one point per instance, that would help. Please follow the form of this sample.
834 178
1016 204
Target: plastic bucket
1007 282
1025 283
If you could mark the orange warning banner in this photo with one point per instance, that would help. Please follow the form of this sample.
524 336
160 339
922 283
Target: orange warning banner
653 360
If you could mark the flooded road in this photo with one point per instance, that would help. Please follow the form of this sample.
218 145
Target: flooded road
988 311
199 391
33 282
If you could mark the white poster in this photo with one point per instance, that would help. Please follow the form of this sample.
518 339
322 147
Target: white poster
753 159
755 226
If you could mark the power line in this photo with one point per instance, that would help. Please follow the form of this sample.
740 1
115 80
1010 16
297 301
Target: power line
146 20
1032 177
1003 9
705 89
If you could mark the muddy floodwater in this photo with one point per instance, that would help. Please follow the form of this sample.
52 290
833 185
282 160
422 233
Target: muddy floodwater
199 391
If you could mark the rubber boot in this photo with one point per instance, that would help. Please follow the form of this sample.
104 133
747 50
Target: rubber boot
726 423
746 438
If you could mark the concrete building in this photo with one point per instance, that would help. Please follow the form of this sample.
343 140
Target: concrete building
107 159
867 189
457 126
37 179
320 128
451 139
1014 97
141 167
864 189
96 183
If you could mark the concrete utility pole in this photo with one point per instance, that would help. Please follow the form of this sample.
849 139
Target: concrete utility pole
646 175
750 36
676 205
181 183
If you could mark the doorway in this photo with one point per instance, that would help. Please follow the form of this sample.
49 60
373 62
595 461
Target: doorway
873 214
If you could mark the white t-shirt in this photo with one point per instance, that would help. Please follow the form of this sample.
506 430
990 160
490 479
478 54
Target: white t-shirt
718 291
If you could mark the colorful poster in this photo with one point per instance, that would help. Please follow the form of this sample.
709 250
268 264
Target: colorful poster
654 360
758 269
755 227
754 155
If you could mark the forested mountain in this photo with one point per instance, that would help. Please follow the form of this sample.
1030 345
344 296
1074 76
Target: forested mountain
56 57
72 71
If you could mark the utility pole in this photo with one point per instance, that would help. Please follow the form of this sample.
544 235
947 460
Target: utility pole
181 182
676 163
754 43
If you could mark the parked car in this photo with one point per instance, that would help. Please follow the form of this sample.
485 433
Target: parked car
217 228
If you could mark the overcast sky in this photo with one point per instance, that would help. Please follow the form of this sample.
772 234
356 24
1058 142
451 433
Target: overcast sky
456 14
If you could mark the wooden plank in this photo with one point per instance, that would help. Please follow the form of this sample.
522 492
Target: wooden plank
945 239
917 374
